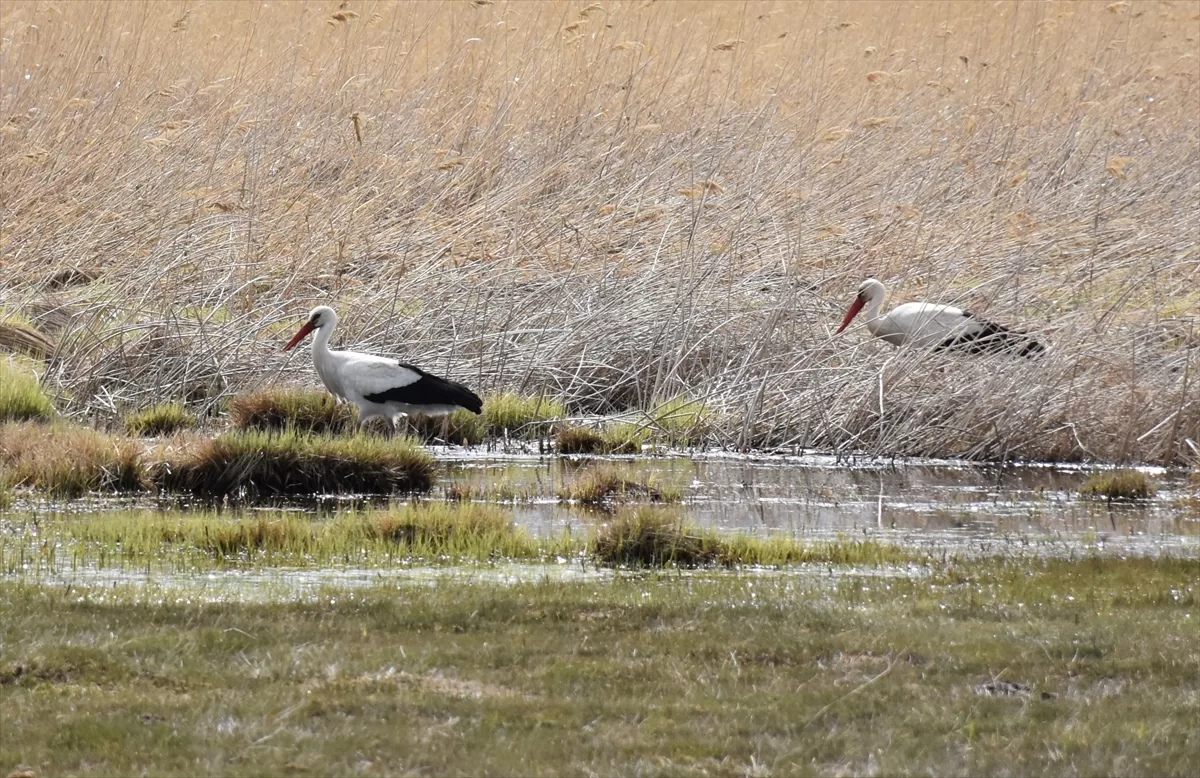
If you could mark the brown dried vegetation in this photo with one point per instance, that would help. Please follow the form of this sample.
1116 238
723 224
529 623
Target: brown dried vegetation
1037 164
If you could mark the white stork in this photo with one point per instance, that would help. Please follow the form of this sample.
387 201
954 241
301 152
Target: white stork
940 327
379 386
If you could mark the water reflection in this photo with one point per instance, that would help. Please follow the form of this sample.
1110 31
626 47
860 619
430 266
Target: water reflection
807 497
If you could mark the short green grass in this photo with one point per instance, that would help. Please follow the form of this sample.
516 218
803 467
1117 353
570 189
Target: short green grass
1119 485
1029 668
255 464
426 533
21 398
161 419
420 533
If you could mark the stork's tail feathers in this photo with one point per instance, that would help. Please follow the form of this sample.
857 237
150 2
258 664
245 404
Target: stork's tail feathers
992 338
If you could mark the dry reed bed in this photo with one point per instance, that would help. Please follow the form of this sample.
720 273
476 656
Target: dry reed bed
621 204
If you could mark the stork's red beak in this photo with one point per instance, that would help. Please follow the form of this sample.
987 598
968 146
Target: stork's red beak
307 328
850 314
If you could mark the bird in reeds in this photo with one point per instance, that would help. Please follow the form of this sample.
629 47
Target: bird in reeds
379 386
937 326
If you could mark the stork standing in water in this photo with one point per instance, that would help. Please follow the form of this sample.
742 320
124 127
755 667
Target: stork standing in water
379 386
940 327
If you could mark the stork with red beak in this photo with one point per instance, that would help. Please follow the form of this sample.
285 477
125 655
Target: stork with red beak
936 326
380 387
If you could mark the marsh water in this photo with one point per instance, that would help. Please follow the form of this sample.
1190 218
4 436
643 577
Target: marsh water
814 497
944 507
907 501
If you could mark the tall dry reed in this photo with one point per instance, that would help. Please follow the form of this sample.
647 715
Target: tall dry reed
623 202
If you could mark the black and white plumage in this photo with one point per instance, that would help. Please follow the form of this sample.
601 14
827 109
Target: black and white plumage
936 326
379 386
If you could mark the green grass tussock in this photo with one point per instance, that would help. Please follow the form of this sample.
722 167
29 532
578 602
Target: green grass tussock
514 415
278 409
461 428
1119 485
680 422
257 464
607 484
422 532
159 420
69 461
465 530
21 398
614 439
650 536
653 537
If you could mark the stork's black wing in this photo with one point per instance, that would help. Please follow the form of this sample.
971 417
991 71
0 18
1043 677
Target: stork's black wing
429 390
991 338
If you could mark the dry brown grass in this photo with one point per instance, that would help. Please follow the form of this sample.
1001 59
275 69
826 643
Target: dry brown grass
663 199
23 339
69 461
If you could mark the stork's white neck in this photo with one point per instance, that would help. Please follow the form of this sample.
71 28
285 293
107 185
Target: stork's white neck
321 340
874 294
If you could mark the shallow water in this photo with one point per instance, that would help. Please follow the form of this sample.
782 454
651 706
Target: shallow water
914 501
939 506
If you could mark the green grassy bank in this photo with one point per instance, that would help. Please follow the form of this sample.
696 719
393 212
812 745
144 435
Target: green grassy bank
1036 668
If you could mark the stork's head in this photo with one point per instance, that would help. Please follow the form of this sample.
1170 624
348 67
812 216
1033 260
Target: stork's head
321 316
870 292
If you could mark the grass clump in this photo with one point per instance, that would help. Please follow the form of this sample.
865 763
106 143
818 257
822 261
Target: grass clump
650 537
461 427
570 439
277 409
607 484
256 464
417 532
467 530
161 419
615 439
70 461
1119 485
21 398
513 415
680 421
